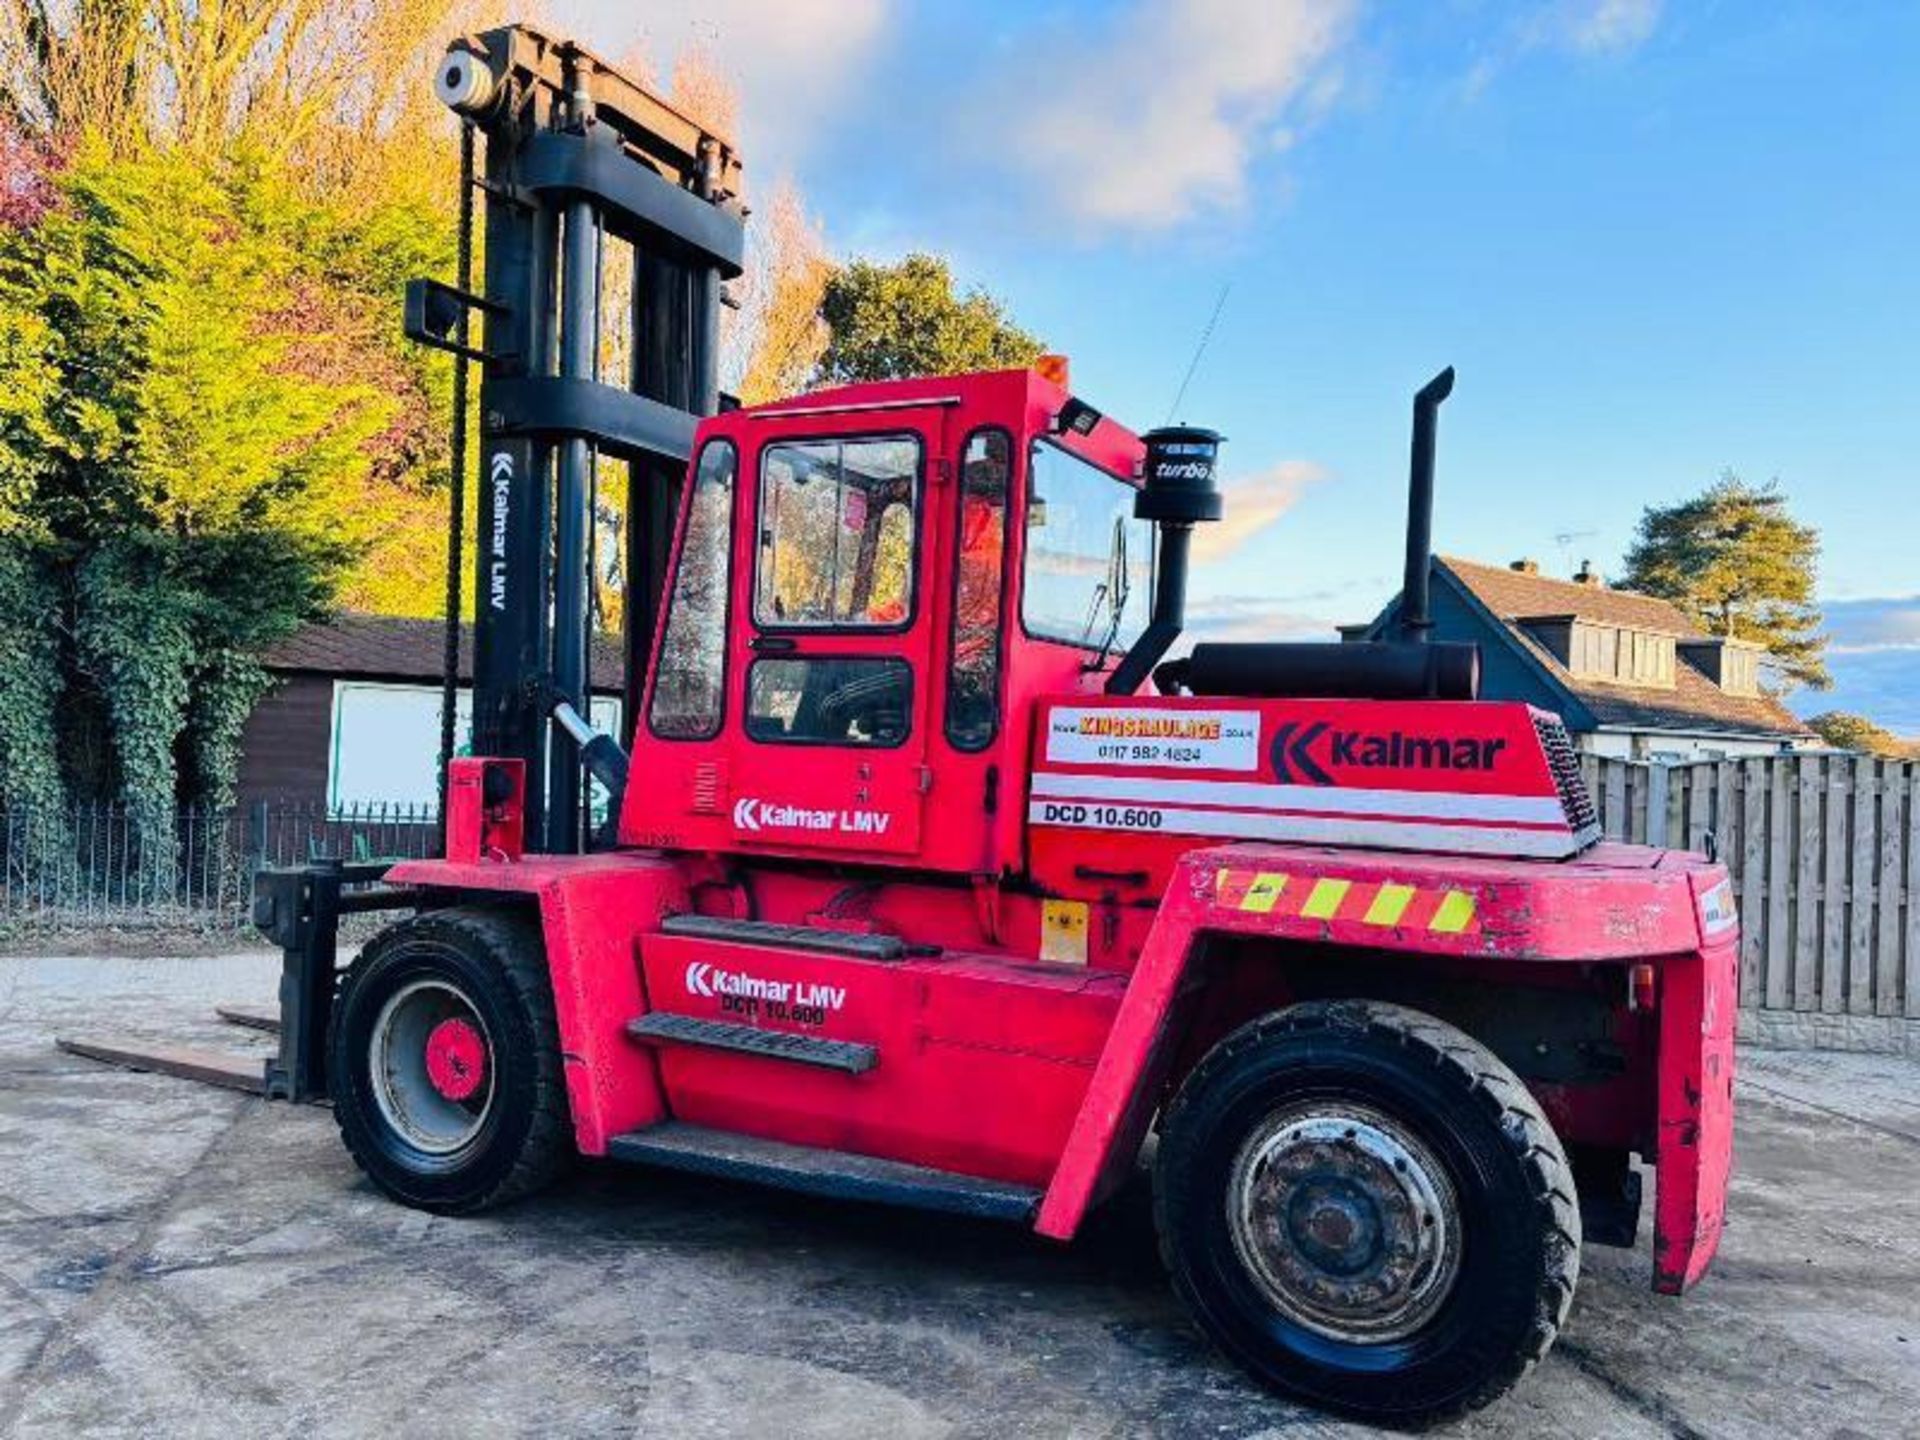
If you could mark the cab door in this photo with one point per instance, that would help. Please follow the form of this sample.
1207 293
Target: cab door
832 662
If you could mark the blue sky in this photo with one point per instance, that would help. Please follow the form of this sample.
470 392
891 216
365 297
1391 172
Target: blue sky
1658 240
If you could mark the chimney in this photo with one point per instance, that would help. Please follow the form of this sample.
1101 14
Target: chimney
1589 577
1525 567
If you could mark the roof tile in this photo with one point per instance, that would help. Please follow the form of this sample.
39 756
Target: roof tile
1512 594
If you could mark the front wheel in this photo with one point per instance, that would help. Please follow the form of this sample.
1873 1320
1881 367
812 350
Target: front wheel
1366 1210
443 1062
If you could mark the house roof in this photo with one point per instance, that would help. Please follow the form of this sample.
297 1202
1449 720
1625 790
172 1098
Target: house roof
1514 595
1695 703
389 647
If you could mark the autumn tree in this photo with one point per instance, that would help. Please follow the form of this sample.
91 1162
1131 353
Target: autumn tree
331 103
905 319
1739 565
333 90
1846 731
772 346
207 417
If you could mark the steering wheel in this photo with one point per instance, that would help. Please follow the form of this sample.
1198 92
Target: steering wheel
874 700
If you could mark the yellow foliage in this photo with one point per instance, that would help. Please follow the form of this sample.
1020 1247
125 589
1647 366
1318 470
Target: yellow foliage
331 102
777 338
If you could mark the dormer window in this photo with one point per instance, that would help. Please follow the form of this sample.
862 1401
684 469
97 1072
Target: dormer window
1733 665
1645 658
1611 654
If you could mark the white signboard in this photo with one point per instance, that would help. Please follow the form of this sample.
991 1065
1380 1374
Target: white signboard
1173 739
386 743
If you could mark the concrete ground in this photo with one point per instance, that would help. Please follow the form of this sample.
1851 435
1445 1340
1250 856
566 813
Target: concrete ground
177 1260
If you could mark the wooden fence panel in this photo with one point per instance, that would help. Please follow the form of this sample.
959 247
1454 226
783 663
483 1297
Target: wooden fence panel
1752 881
1833 885
1862 855
1613 815
1700 783
1893 822
1804 843
1913 891
1779 887
1824 852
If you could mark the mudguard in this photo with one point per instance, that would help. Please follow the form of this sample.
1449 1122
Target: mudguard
593 909
1616 903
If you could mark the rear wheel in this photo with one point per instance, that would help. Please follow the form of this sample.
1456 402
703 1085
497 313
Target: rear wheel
444 1062
1366 1209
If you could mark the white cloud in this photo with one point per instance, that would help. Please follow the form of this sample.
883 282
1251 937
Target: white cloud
797 62
1882 684
1158 114
1861 626
1579 27
1234 618
1588 27
1252 504
1609 26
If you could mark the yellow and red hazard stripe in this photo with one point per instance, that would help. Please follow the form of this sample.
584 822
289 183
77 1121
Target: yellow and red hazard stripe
1386 904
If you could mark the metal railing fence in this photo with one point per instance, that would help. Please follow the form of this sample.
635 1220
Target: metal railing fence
112 866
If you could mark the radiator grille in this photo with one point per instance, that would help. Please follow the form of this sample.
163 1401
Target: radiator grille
1564 765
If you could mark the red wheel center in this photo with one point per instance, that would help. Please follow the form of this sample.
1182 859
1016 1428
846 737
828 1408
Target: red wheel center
456 1059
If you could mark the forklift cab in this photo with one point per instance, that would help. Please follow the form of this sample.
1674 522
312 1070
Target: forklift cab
870 588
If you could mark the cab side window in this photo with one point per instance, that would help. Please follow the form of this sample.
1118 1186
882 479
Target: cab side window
973 680
689 685
837 534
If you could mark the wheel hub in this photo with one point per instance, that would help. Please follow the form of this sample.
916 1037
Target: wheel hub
1346 1222
430 1064
456 1058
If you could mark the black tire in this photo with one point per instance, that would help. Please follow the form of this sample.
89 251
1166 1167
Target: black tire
491 962
1501 1297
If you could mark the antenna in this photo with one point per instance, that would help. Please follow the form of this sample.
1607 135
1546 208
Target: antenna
1564 540
1206 334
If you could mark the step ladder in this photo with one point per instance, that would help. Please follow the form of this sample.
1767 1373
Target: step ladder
850 1057
859 944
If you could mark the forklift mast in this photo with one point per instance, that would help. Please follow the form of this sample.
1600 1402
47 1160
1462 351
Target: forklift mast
577 158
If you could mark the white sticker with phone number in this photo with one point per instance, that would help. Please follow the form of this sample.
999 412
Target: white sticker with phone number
1174 739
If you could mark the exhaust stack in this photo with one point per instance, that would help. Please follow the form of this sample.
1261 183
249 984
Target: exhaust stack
1409 667
1415 617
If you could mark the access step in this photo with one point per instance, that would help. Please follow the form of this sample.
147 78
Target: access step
790 937
847 1056
832 1173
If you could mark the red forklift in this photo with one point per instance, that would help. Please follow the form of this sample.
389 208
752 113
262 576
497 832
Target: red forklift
927 878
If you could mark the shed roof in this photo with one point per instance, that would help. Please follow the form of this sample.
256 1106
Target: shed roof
391 647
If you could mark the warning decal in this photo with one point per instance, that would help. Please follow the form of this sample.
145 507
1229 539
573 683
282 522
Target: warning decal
1173 739
1387 905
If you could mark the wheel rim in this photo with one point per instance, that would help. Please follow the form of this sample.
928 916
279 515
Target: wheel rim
1345 1221
431 1063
